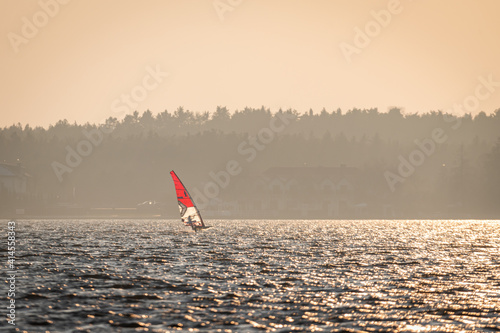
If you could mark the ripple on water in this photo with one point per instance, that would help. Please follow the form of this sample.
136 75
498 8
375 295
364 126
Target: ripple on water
279 276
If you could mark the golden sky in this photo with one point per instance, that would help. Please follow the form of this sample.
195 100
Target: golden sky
86 60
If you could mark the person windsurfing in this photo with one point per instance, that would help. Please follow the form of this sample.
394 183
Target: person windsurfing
190 215
191 223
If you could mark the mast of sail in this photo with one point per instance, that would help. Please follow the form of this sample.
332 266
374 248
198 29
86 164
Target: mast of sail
190 214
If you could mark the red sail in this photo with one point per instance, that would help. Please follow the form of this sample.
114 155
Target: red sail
182 194
189 213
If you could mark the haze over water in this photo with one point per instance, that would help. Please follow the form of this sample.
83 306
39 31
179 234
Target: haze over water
257 276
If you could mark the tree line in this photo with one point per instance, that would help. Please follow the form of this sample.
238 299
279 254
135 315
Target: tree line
120 163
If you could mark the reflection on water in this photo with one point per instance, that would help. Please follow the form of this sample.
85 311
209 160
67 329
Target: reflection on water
254 276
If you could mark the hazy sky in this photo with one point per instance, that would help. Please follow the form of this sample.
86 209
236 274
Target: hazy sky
80 60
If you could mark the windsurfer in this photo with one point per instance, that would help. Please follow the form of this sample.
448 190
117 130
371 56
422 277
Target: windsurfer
190 215
192 223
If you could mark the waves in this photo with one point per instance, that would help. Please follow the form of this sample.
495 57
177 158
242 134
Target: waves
279 276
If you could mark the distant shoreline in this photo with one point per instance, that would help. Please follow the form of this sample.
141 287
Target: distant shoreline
160 217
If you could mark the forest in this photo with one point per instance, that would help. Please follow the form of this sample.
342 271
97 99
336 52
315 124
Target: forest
431 164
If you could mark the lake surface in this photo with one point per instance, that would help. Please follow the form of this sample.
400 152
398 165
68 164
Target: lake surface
256 276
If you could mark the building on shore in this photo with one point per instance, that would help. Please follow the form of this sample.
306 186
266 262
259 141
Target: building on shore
14 180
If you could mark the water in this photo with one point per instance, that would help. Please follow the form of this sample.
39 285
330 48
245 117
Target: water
256 276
